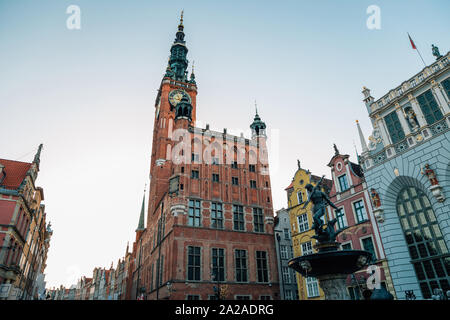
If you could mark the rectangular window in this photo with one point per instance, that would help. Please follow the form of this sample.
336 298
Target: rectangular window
394 127
261 266
216 215
193 263
286 275
234 181
367 244
218 264
252 168
312 287
195 158
291 251
429 107
258 220
287 235
194 218
193 297
288 295
242 297
300 197
347 246
303 223
265 298
194 174
360 211
253 184
241 265
238 218
307 248
215 177
340 216
283 252
234 165
343 182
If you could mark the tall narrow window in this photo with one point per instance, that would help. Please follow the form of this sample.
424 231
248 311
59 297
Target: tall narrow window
261 266
343 182
340 217
360 211
394 127
194 263
238 218
215 177
312 287
283 252
234 165
234 181
194 217
216 215
253 184
258 220
287 234
429 107
367 245
252 168
161 271
241 265
300 197
286 275
446 86
218 264
426 244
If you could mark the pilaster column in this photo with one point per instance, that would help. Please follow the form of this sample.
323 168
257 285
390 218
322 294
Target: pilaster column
384 133
417 110
443 103
402 119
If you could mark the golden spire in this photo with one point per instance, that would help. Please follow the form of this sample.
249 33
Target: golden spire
181 19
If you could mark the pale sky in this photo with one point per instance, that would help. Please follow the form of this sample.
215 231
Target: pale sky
88 95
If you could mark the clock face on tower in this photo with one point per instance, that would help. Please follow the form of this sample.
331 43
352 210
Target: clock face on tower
176 95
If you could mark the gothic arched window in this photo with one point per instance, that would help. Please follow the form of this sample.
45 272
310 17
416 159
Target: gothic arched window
426 245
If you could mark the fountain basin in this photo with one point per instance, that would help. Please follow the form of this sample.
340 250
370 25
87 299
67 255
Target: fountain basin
330 262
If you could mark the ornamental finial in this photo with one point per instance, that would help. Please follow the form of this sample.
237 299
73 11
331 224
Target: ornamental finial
181 19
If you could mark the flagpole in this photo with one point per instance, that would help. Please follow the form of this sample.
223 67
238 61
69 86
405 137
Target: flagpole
415 47
421 57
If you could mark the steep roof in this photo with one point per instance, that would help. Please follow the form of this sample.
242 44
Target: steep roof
15 171
357 169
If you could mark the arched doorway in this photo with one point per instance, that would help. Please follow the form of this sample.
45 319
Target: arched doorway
426 245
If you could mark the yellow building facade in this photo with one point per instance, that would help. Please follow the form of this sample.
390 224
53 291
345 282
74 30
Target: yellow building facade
301 221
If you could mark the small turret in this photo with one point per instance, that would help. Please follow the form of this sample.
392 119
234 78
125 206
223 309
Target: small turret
258 126
368 99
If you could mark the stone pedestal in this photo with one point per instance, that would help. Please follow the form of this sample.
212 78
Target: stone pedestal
436 190
334 287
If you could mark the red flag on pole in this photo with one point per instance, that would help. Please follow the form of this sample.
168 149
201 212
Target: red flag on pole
412 42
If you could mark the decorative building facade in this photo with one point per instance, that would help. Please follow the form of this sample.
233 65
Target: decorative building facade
209 230
357 221
301 221
285 252
24 232
407 169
